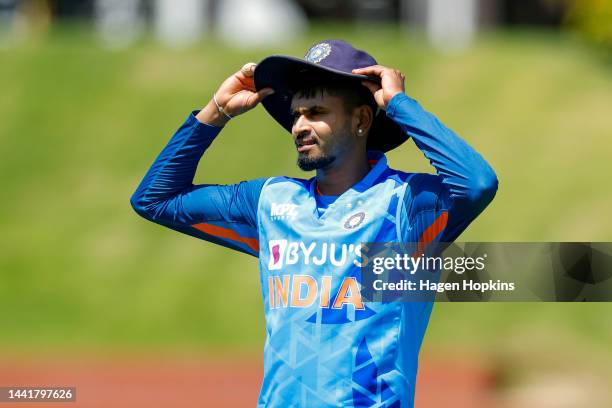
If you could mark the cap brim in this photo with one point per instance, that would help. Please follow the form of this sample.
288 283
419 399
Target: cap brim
277 71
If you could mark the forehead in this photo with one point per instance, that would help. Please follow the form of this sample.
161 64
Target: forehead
319 99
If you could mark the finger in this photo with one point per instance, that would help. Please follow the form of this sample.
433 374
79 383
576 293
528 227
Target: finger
257 97
373 87
248 69
247 82
372 70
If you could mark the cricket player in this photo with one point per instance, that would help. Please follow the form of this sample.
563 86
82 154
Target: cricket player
325 346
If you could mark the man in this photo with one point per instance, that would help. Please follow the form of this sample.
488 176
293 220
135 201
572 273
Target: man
325 345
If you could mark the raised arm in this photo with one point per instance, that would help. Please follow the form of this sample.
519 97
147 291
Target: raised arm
443 205
222 214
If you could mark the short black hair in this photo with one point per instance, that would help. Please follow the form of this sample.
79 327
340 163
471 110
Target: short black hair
350 90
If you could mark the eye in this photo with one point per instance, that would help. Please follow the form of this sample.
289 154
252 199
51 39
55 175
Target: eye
317 112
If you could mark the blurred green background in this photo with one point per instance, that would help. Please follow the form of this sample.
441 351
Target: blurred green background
80 124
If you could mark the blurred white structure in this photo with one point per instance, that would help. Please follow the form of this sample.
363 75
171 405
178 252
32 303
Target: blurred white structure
119 22
179 23
247 23
450 24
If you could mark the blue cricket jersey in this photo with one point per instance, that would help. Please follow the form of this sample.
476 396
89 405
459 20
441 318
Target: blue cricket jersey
325 347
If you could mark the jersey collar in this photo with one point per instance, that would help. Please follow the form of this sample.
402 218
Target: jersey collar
377 159
379 165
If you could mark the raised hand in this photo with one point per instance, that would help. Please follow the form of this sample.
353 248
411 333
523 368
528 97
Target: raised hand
235 96
391 83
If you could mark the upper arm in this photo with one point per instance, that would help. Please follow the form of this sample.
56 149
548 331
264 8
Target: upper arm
432 214
222 214
424 212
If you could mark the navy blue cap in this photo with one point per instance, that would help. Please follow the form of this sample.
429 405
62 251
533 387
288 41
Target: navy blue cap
327 58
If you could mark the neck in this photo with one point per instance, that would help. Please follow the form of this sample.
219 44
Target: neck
342 174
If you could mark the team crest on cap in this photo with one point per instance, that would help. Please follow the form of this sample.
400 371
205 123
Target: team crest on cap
318 53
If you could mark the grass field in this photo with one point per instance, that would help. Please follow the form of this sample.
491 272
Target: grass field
79 126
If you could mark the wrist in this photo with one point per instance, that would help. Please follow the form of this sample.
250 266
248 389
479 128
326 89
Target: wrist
211 115
393 95
393 105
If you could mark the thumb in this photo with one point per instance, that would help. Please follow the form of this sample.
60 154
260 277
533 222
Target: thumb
260 95
373 87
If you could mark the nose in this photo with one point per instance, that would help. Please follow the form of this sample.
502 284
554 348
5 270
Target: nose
301 126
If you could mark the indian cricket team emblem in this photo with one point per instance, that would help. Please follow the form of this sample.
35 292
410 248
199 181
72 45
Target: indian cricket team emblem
354 220
318 53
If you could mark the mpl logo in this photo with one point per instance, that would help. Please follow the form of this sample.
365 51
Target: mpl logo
283 211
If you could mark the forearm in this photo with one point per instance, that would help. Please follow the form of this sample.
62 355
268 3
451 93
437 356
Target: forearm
211 115
466 175
175 167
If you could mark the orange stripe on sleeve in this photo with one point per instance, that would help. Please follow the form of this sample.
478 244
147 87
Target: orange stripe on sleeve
227 233
431 232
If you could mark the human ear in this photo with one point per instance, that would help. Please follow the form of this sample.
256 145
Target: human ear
362 120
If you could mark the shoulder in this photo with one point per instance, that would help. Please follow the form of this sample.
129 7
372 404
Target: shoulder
285 179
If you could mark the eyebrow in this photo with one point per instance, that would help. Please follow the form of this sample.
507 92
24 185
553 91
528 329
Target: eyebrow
310 109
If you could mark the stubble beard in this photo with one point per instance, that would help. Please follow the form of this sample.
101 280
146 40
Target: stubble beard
324 159
314 163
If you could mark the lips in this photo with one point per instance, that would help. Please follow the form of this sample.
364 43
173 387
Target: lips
305 144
